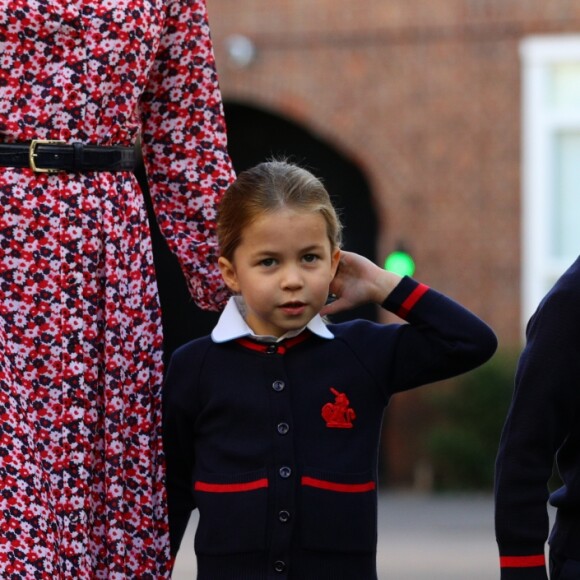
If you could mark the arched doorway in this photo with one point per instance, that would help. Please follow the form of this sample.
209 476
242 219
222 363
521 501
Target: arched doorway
253 136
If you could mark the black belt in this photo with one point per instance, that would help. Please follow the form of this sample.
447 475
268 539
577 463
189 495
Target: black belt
55 156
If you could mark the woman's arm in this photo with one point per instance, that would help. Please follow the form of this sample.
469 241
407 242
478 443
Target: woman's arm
185 148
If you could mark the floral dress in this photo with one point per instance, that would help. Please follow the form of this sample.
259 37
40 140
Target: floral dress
81 464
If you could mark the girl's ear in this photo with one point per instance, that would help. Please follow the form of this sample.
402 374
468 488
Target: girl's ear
335 261
229 274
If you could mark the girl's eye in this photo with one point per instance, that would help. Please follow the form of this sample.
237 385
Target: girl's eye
268 262
310 258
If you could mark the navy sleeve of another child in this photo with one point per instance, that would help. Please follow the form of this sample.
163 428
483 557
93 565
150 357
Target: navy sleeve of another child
542 415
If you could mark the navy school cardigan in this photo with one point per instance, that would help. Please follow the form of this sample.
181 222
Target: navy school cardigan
277 446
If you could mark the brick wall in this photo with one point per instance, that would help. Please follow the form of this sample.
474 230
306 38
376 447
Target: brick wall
425 98
427 102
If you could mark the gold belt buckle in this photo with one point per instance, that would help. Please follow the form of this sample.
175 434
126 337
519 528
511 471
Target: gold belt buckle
32 154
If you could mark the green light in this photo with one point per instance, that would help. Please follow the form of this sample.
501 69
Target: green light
400 263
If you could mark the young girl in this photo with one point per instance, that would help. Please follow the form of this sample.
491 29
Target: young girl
272 423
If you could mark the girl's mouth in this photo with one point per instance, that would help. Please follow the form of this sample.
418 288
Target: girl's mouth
293 308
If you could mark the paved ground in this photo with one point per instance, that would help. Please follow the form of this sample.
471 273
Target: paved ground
420 538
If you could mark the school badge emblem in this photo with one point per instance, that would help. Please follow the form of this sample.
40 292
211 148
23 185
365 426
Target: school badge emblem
338 415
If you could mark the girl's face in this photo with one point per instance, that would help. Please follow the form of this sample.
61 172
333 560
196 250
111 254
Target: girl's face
282 268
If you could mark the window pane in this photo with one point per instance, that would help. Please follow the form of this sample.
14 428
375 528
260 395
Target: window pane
564 85
566 225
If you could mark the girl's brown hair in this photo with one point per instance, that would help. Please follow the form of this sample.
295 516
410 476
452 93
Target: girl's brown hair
268 187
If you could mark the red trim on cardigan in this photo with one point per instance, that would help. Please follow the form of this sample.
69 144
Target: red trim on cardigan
342 487
522 561
252 345
273 347
411 300
230 487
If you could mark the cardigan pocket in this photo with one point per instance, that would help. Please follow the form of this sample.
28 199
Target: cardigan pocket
232 512
339 511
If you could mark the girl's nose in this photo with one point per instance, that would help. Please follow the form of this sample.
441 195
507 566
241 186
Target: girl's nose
292 278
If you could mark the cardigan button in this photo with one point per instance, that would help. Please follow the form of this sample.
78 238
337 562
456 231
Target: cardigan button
278 386
272 349
279 566
283 428
285 472
284 516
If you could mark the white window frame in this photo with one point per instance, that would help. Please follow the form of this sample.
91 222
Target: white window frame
539 124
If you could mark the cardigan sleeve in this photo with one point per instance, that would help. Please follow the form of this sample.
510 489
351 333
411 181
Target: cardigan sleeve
441 339
184 146
543 407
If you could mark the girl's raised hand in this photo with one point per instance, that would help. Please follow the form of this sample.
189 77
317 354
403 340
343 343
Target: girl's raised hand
359 281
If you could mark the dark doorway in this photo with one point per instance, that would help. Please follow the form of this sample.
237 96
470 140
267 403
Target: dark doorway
253 136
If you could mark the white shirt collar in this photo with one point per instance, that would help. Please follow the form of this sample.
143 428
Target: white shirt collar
231 325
